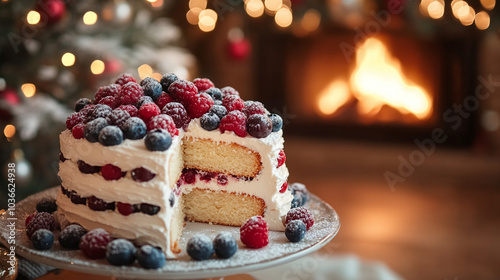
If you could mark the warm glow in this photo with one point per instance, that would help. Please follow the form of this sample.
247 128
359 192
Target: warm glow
333 97
377 80
466 15
97 67
192 15
33 17
283 17
145 71
488 4
9 131
456 6
68 59
424 5
156 76
482 20
273 5
311 20
436 9
90 18
200 4
254 8
28 90
207 20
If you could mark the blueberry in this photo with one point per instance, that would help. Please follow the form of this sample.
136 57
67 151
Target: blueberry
219 110
149 209
42 239
111 136
295 231
277 122
93 128
143 100
225 245
150 257
158 140
134 128
259 126
147 80
120 252
200 247
152 88
46 205
215 93
298 188
298 200
82 102
167 80
70 236
209 121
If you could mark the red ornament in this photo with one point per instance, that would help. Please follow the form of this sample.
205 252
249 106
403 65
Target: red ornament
10 98
51 11
239 50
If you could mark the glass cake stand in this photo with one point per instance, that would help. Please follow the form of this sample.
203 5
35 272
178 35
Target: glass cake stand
279 250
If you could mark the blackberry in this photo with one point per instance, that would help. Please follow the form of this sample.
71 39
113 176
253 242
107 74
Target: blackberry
150 257
210 121
225 245
295 231
158 140
167 80
200 247
100 111
134 128
215 93
46 205
111 136
120 252
219 110
277 122
259 126
82 102
70 236
42 239
144 100
152 88
149 209
93 128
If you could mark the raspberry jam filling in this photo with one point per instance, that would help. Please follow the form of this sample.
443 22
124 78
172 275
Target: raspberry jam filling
190 176
98 204
111 172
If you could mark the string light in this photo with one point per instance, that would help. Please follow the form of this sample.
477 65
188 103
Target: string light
68 59
466 15
145 71
97 67
311 20
28 89
482 20
283 17
488 4
201 4
192 15
254 8
273 5
207 20
90 18
33 17
436 9
9 131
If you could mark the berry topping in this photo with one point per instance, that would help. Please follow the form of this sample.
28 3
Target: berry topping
111 136
281 158
219 110
299 189
131 109
167 79
203 84
41 220
93 244
152 88
215 93
120 252
46 205
302 214
142 174
259 126
150 257
182 90
253 107
226 91
126 209
284 187
218 102
77 131
87 110
76 199
29 218
87 168
295 230
100 111
178 113
207 176
111 90
111 101
118 117
277 122
42 239
93 128
200 247
74 119
163 122
134 128
210 121
130 93
188 176
70 236
233 102
98 204
225 245
254 233
222 179
125 78
200 105
149 209
234 121
158 140
82 102
144 100
111 172
164 99
147 111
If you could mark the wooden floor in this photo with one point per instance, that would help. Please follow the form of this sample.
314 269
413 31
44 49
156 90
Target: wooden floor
441 223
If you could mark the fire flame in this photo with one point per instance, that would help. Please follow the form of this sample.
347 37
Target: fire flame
377 80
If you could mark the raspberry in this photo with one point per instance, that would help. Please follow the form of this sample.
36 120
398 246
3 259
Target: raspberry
41 220
178 113
118 117
29 218
46 205
147 111
131 109
233 102
111 101
281 158
100 111
111 90
182 90
141 174
254 233
203 84
126 209
164 122
163 100
130 93
300 213
93 243
259 126
77 131
200 105
226 91
74 119
81 103
284 187
70 236
166 80
253 107
111 172
125 78
98 204
234 121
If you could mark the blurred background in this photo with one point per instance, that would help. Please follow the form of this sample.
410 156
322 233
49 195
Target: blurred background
391 108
